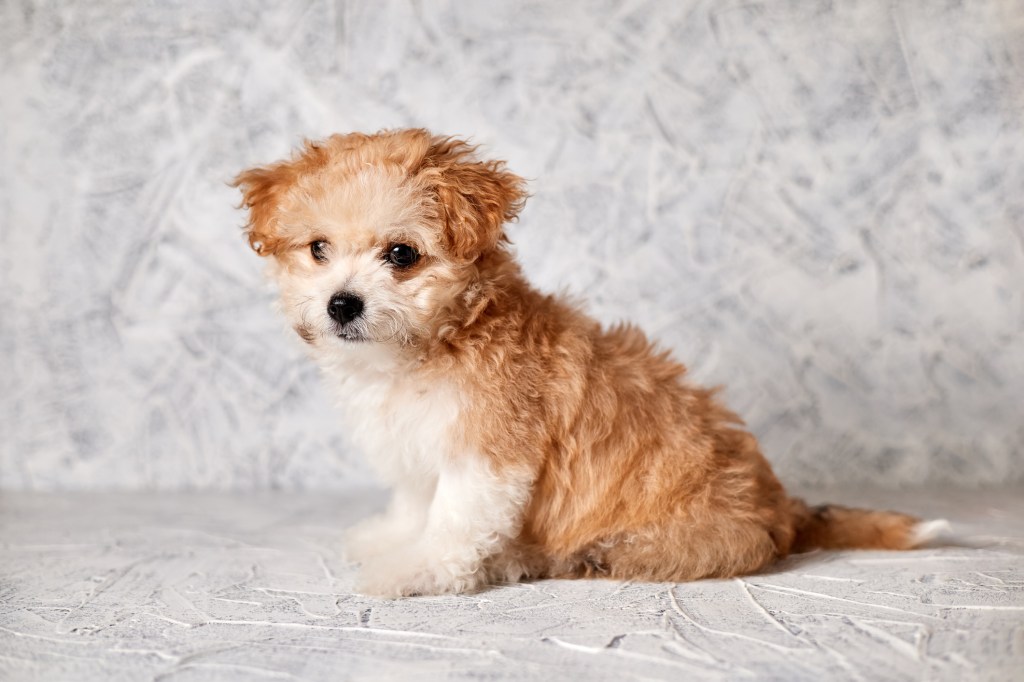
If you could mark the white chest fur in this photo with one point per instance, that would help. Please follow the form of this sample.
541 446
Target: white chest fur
404 425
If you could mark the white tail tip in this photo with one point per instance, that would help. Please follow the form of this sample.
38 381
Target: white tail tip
930 532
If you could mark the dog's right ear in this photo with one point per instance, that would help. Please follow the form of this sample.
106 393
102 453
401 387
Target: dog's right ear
262 190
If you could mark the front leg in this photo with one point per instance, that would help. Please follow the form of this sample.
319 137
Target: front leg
403 521
476 510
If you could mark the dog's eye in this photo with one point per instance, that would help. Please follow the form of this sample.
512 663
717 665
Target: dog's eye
402 255
319 251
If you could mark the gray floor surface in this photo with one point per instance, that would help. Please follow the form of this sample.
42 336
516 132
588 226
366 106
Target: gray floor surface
253 587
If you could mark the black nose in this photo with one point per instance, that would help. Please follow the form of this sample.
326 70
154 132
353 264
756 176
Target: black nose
344 307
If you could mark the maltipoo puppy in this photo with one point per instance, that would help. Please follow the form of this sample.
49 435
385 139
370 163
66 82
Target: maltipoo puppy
521 438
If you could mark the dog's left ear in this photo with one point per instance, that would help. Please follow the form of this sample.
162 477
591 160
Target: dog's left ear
476 198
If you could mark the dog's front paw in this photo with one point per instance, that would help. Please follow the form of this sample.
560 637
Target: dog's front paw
417 574
375 536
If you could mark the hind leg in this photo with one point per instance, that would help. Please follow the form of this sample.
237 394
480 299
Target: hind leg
675 554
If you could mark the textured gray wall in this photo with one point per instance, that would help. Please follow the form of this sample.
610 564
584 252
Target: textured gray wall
818 204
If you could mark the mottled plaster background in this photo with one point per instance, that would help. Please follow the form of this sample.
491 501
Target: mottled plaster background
818 204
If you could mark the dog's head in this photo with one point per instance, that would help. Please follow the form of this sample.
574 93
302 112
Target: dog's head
378 237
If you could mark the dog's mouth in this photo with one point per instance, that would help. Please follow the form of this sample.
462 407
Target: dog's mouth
351 335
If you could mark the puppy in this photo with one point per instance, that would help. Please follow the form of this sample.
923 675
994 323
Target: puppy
521 438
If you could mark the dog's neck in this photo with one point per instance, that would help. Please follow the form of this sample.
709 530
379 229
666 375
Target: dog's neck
496 294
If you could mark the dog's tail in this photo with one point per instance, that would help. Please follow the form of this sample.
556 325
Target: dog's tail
830 526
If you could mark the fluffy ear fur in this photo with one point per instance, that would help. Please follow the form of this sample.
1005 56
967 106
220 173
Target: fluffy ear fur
476 198
264 187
